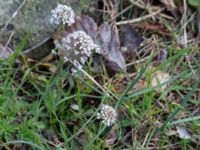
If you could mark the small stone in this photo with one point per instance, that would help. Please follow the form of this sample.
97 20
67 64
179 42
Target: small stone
33 17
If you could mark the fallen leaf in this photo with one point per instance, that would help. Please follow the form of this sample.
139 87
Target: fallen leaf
47 58
52 68
171 133
129 38
159 77
183 133
108 40
141 84
5 52
155 27
89 26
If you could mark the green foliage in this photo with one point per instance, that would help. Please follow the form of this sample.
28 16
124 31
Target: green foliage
195 3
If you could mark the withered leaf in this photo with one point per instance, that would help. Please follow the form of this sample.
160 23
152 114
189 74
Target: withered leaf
183 132
156 28
160 77
129 38
5 52
108 39
89 26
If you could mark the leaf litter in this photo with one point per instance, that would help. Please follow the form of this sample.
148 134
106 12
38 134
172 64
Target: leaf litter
116 44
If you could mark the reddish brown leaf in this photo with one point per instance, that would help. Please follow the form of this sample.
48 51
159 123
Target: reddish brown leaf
155 27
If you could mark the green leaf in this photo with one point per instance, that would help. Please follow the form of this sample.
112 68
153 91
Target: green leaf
195 3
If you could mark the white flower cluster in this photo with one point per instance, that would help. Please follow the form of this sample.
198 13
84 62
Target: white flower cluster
108 115
62 14
76 47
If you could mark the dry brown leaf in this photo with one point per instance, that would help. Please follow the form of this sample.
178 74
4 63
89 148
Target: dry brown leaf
155 27
141 84
160 77
52 68
48 58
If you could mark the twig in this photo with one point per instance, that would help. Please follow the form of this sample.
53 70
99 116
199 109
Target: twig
37 45
137 4
14 15
122 12
6 48
139 19
106 91
145 139
138 61
11 35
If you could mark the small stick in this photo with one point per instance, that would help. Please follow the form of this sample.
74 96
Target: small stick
36 46
139 19
138 61
6 46
106 91
14 15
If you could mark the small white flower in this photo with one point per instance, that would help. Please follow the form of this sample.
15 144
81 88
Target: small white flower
76 47
75 107
108 115
53 52
62 14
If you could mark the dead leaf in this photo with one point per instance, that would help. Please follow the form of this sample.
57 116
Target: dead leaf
108 39
155 27
159 77
52 68
89 26
129 38
141 84
183 132
47 58
5 52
